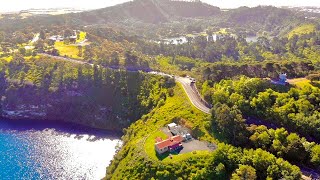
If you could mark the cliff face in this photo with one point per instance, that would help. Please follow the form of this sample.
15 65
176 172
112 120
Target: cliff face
112 110
101 117
98 97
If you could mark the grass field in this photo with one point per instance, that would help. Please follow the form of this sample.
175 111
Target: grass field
8 58
82 36
222 31
181 157
67 50
149 144
303 29
300 82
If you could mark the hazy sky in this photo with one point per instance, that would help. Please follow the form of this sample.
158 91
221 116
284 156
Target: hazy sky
16 5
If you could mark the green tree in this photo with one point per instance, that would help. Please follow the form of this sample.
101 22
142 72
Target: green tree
40 46
22 51
315 155
295 150
42 35
131 59
80 49
67 33
115 60
244 172
88 53
230 122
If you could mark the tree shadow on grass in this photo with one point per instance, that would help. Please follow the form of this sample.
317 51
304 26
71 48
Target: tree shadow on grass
163 156
167 154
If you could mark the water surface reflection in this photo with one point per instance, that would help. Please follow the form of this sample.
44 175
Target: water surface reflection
54 150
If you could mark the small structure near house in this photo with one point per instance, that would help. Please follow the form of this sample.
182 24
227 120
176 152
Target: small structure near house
171 144
178 130
283 78
73 38
172 125
174 129
281 81
56 38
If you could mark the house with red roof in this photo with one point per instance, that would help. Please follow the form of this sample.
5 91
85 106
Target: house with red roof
171 144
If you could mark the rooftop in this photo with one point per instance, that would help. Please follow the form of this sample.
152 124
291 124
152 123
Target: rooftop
169 142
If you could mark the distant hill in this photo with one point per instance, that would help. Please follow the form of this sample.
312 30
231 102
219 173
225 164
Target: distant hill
260 15
149 11
146 16
266 18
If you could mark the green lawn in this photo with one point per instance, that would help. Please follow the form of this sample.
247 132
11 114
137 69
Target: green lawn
180 107
222 31
182 157
8 58
67 50
82 36
149 144
300 82
303 82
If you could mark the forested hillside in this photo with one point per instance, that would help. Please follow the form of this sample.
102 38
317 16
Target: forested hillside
149 11
226 162
142 16
267 18
145 11
56 90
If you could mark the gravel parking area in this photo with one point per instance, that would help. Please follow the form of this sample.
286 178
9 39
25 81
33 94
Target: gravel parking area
196 145
166 131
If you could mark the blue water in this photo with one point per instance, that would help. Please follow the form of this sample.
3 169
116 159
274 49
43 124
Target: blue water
37 150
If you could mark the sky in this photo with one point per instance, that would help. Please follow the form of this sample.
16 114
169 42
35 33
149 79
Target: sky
17 5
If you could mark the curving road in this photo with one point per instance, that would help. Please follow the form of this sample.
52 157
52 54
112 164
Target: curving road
188 87
193 94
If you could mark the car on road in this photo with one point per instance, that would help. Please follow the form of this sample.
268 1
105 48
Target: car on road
192 81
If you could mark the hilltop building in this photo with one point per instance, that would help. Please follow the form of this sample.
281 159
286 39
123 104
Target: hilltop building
171 144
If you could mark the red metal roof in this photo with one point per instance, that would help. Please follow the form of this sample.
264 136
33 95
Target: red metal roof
169 142
159 139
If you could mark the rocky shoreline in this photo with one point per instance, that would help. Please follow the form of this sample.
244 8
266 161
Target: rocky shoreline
32 112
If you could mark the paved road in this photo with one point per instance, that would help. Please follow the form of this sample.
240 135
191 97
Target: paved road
190 89
66 59
193 94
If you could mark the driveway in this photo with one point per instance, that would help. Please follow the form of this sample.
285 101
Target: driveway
196 145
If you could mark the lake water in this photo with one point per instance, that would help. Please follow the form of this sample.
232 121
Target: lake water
35 150
183 39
